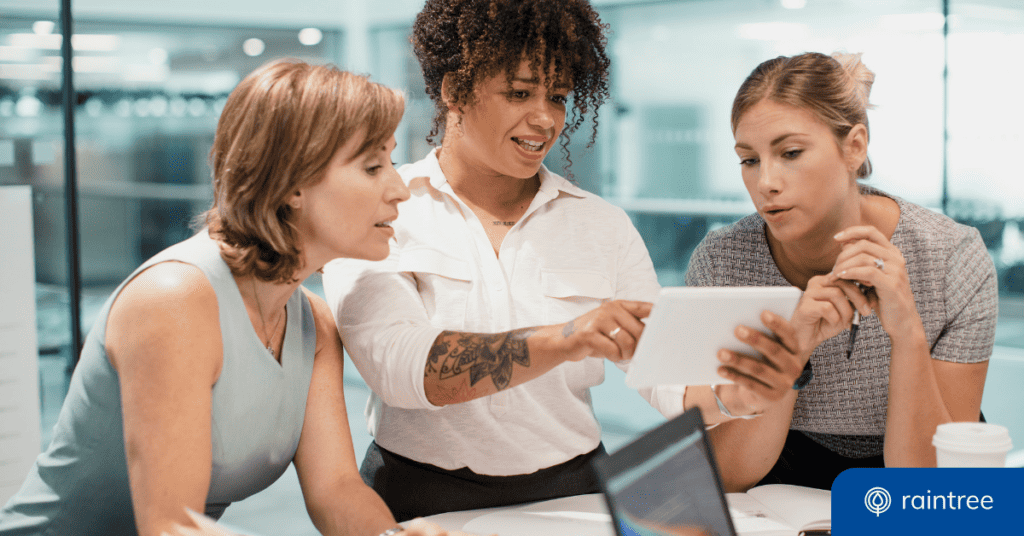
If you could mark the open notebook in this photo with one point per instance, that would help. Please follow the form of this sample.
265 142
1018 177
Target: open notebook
666 483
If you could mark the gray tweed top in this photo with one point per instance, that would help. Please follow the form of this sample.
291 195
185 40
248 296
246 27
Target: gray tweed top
954 284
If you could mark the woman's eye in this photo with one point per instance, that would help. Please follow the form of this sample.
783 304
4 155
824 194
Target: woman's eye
560 99
747 162
793 153
519 94
372 170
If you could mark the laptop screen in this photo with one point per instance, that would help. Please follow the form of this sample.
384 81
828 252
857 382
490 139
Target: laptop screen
666 483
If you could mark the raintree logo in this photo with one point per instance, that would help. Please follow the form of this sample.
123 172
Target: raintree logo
877 500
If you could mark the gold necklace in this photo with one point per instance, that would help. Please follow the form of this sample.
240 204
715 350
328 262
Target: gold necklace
270 340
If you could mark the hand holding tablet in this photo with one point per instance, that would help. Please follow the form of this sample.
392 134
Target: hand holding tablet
688 325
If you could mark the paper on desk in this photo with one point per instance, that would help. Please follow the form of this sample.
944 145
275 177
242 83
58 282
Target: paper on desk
581 515
19 365
780 510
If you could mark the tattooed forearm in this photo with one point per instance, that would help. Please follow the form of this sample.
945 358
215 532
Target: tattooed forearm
569 328
481 355
438 350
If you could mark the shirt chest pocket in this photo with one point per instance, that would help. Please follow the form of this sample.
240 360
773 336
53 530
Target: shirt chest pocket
443 283
571 293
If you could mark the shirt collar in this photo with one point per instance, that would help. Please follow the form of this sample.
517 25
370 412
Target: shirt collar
550 183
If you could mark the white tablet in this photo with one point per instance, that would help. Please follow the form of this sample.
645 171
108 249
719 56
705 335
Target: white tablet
688 325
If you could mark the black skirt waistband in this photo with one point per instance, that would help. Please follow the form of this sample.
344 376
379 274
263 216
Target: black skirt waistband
414 489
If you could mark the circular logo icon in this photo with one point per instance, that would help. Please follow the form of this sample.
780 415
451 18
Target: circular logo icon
877 500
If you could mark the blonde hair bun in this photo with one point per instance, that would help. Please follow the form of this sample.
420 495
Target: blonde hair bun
861 78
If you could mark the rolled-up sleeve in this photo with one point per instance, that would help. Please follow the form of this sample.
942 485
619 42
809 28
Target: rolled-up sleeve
383 326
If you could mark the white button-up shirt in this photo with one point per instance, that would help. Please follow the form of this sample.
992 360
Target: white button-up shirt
570 252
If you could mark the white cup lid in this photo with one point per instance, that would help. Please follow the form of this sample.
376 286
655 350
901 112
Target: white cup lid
972 437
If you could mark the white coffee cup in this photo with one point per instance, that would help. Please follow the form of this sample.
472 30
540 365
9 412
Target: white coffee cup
971 444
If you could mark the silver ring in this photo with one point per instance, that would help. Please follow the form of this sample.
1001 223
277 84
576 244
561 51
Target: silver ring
880 264
613 333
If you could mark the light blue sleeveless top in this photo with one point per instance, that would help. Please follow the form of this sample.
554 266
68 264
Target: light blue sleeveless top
79 485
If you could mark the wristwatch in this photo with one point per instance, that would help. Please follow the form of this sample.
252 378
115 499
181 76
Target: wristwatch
805 377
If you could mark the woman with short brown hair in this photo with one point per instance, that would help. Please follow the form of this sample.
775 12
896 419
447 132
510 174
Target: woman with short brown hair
209 370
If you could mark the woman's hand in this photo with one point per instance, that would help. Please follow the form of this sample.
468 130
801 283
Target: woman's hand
826 309
762 380
610 331
870 260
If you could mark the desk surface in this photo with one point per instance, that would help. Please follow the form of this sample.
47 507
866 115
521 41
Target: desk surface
587 515
581 515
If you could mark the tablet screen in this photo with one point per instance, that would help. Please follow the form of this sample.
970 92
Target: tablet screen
688 325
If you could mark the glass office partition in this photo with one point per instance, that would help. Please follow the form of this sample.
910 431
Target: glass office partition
148 106
149 93
985 114
32 153
148 97
678 66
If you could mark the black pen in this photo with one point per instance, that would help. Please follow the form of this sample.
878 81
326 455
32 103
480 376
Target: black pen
853 332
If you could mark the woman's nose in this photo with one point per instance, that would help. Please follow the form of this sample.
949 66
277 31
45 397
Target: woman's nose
397 190
541 115
769 178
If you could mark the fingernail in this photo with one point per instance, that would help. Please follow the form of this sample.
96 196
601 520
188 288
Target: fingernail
743 331
837 235
724 356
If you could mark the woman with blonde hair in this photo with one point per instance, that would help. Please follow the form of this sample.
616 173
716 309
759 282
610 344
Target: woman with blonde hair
210 370
923 288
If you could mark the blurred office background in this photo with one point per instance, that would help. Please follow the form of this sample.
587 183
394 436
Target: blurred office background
151 78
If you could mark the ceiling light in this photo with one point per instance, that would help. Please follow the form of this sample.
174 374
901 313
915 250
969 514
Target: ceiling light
178 106
253 47
310 36
94 107
158 106
196 107
28 106
43 27
123 108
89 42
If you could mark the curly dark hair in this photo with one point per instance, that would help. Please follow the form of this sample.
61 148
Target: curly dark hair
474 39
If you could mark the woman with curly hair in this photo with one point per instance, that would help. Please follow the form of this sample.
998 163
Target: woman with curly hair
210 370
508 286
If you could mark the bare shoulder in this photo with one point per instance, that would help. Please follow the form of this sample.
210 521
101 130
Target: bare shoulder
326 330
170 307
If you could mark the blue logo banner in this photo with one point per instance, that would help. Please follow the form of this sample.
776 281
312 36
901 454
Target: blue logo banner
932 502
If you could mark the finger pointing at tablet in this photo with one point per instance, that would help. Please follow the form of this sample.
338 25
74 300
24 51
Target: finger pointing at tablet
609 331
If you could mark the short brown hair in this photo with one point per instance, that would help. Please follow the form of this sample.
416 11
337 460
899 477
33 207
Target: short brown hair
833 88
473 39
279 130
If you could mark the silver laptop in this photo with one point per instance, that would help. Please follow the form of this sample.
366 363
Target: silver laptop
666 483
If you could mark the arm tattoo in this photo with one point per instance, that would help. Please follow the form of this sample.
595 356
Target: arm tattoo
482 355
569 328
